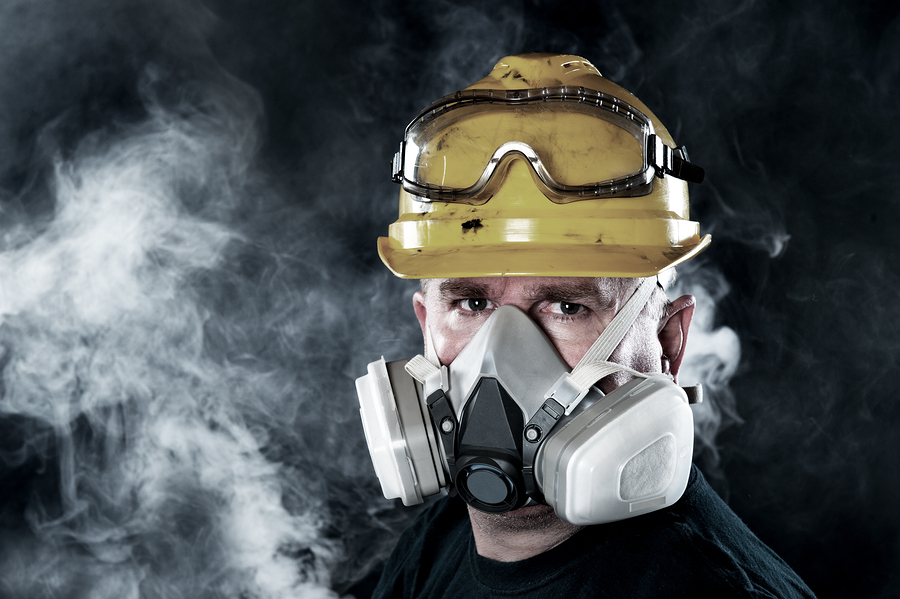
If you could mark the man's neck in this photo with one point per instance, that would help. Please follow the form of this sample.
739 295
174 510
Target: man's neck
520 534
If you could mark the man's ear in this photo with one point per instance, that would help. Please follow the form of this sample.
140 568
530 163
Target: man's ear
419 307
673 333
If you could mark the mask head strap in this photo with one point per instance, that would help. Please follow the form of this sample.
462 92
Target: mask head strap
593 366
430 351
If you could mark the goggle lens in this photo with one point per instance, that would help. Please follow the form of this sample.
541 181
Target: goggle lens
575 143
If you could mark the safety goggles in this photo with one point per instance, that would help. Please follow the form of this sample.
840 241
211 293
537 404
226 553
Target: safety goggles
581 144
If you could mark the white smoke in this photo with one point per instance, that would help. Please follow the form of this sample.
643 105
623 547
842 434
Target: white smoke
163 490
711 358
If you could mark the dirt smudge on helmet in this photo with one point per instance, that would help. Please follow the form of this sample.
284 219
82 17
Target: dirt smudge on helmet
472 225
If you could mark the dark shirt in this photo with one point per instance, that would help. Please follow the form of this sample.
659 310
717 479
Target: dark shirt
695 548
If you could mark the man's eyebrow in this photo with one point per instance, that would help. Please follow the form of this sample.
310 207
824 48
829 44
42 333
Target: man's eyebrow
579 291
460 288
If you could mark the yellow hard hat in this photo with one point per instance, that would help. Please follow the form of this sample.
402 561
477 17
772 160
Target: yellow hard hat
542 168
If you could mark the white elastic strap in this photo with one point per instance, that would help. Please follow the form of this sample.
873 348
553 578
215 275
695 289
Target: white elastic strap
430 352
593 366
591 373
613 334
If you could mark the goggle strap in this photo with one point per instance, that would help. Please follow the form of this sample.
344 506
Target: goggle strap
675 162
397 165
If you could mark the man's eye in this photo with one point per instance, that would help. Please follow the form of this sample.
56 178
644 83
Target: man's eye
476 304
567 308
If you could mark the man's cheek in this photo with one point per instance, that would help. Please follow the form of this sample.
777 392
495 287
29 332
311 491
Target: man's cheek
571 354
450 351
448 343
570 347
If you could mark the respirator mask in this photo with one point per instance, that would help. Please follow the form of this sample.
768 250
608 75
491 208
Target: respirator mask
508 424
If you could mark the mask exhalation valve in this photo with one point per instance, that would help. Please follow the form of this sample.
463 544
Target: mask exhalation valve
487 487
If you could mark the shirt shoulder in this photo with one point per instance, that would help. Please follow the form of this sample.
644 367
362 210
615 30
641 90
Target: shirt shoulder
710 545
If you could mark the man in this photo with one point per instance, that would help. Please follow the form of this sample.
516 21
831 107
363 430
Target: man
545 208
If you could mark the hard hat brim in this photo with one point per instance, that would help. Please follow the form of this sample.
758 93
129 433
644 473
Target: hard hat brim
550 260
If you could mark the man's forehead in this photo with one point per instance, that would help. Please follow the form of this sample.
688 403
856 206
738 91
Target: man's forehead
538 288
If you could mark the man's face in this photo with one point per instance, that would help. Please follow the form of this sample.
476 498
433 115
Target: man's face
571 311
